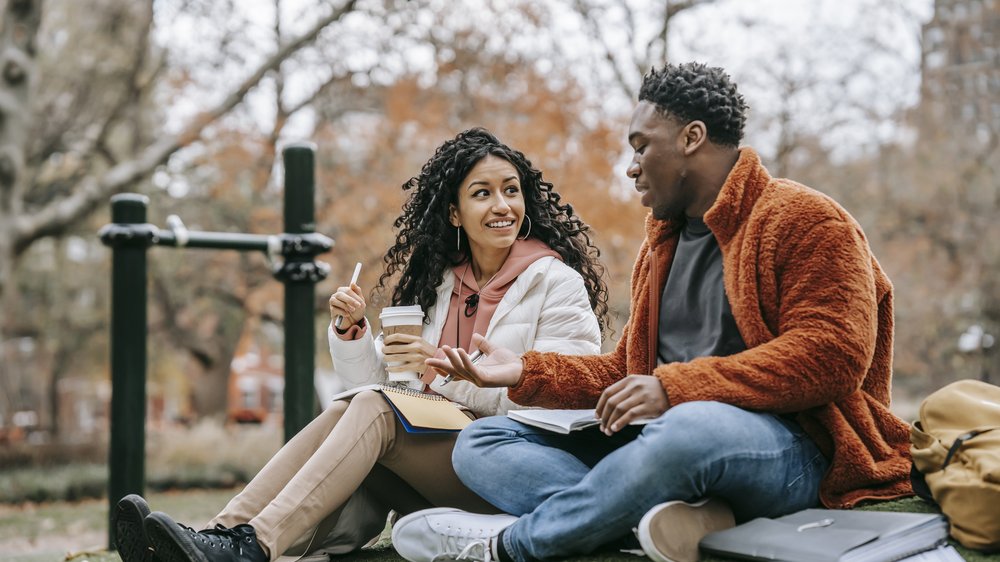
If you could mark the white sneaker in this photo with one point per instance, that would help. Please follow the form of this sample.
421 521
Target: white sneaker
670 532
445 533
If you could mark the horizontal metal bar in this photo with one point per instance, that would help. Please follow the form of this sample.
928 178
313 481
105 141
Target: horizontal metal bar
216 240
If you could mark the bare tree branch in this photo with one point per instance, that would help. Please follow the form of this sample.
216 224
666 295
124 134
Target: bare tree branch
54 133
94 190
319 91
587 13
205 355
639 62
674 8
131 92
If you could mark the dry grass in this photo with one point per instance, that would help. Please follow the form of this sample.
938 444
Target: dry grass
209 454
38 525
47 532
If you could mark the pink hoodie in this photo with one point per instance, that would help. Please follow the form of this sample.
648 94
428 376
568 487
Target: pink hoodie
462 320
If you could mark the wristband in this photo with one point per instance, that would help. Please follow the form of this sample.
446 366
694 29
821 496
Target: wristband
359 324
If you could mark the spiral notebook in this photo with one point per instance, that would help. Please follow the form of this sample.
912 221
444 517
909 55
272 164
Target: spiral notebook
418 412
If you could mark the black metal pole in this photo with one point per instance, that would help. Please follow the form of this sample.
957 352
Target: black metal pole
126 462
300 330
130 236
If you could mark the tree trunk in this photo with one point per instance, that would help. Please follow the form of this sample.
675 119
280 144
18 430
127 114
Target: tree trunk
18 28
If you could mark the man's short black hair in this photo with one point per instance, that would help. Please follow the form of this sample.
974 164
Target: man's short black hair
694 91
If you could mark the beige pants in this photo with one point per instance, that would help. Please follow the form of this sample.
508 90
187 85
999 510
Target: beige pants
354 462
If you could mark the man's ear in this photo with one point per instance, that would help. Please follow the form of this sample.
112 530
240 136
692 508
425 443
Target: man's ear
692 137
453 215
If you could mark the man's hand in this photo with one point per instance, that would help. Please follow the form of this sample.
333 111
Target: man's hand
632 398
499 367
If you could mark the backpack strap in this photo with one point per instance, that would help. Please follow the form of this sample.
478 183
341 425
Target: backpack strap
919 484
960 440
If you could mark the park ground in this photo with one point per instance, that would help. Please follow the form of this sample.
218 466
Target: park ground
76 531
54 531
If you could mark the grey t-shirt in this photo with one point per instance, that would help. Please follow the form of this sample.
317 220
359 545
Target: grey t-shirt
695 317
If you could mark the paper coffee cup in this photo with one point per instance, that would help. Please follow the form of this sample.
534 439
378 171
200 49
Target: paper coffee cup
402 320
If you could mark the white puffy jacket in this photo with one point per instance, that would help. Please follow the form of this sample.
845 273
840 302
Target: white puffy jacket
545 309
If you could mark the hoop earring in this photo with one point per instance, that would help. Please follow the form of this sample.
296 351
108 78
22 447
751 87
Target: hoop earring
458 238
527 218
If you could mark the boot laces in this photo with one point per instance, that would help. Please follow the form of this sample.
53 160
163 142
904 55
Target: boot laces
222 538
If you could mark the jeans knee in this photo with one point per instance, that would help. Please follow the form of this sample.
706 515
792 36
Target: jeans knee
469 452
701 416
686 433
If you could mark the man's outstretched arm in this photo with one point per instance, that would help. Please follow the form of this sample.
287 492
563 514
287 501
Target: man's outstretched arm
550 380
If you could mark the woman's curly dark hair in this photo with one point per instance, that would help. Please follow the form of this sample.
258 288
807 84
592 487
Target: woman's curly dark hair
425 240
694 91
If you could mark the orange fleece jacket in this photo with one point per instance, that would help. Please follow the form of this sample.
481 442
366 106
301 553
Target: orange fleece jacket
814 308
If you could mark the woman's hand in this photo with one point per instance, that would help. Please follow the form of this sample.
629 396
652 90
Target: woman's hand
406 353
499 367
349 303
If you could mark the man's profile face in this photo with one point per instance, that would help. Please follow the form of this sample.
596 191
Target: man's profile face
658 165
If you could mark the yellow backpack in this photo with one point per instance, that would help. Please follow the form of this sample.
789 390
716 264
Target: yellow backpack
956 459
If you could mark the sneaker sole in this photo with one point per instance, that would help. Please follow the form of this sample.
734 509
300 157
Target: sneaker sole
169 541
689 521
132 544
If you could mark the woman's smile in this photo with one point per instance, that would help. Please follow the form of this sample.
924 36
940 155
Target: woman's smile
502 225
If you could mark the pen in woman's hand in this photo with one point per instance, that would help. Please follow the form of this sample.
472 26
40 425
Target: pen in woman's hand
354 279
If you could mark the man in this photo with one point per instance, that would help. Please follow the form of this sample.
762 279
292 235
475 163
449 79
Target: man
759 344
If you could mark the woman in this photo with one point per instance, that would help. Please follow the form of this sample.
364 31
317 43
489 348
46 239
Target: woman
483 246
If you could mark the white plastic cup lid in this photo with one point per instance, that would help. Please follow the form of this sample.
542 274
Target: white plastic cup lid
402 314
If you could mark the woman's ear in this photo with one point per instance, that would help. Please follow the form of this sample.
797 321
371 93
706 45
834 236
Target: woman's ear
453 215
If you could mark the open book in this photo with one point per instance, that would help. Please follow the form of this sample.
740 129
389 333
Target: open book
418 412
831 535
560 421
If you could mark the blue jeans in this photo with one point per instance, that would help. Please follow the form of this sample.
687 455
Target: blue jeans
574 493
